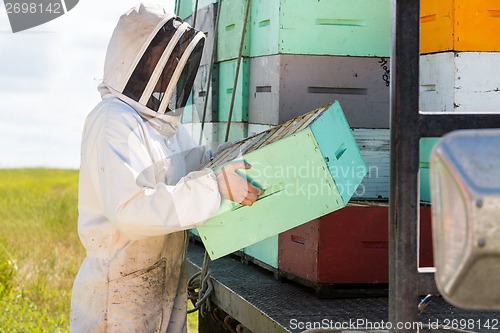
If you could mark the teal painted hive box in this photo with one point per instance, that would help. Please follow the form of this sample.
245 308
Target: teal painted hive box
230 29
425 148
265 252
307 167
227 74
183 8
333 27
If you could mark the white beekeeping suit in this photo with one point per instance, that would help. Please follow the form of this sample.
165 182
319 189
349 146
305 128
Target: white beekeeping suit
138 191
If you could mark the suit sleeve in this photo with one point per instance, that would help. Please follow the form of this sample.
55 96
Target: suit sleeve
133 200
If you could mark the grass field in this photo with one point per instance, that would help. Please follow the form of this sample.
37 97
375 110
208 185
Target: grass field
40 252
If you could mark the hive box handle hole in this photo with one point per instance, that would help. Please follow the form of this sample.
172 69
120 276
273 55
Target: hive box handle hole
340 151
298 239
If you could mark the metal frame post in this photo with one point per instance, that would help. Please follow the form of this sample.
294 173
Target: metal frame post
404 192
408 125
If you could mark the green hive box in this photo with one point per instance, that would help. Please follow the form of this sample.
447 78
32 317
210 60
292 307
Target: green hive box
265 252
183 8
230 28
425 148
333 27
227 73
307 167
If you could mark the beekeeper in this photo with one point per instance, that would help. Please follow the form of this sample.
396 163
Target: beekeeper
139 189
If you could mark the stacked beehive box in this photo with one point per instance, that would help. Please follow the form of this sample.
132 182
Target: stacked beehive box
305 55
333 255
184 8
204 101
215 114
300 166
203 92
459 62
297 56
294 60
460 47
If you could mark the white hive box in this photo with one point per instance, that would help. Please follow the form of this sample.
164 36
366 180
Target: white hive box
281 87
460 81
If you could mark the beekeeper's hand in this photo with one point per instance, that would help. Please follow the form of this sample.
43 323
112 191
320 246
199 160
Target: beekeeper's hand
234 187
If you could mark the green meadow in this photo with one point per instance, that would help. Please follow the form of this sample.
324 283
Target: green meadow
40 252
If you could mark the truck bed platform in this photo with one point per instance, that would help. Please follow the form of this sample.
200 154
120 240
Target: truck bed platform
263 304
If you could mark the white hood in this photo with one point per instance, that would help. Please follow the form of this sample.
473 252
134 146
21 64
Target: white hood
151 62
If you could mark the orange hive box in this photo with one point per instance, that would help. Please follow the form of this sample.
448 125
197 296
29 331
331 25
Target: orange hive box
459 25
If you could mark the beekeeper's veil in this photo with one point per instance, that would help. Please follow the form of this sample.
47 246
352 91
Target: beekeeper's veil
152 60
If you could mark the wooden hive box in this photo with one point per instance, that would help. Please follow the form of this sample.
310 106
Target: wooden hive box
282 86
263 253
346 247
308 167
374 145
200 93
426 145
205 22
459 25
231 21
183 8
334 27
375 186
460 81
227 74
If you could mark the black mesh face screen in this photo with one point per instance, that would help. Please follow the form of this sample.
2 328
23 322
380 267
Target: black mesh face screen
144 72
144 69
186 80
168 71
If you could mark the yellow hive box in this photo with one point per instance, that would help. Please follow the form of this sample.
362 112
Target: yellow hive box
459 25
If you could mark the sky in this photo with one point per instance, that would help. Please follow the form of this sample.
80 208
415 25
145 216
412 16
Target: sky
48 83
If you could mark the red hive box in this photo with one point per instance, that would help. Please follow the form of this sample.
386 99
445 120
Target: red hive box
346 247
